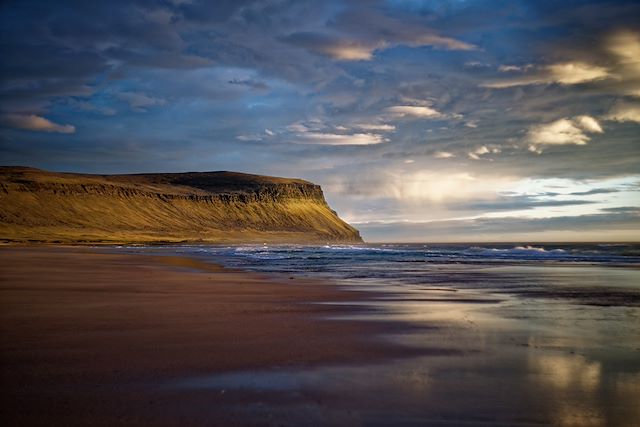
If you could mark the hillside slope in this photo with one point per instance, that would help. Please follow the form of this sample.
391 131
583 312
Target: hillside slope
215 207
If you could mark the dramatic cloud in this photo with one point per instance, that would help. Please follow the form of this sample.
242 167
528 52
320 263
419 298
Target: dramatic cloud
414 111
390 30
626 46
562 132
512 68
443 155
569 73
353 50
439 42
339 139
624 112
616 67
378 127
34 123
401 110
335 47
480 151
356 42
589 124
576 72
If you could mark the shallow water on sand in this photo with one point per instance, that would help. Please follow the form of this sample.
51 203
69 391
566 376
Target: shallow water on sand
512 336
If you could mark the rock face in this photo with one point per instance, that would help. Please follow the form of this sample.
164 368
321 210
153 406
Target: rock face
212 207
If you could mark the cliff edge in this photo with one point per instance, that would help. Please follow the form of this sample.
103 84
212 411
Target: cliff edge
208 207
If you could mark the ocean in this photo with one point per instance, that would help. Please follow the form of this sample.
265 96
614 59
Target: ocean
513 334
596 273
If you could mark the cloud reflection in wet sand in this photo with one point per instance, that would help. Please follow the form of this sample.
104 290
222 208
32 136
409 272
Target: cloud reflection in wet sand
571 381
562 371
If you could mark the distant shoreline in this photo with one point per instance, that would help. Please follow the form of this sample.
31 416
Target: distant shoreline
58 243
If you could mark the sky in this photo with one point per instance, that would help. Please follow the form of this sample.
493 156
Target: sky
423 120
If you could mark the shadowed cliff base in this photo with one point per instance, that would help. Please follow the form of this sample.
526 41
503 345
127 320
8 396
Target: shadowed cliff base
212 207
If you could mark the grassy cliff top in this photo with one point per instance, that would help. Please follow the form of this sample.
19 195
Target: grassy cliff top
169 183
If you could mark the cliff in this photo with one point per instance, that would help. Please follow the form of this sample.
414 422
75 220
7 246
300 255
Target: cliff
212 207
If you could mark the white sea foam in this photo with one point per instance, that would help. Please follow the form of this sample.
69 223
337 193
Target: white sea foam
537 249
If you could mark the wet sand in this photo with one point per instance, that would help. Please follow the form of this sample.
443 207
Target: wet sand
92 337
89 338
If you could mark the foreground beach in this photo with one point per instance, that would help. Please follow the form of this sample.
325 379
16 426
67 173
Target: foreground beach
89 338
331 335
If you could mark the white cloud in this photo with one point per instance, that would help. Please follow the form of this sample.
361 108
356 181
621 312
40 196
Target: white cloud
315 131
347 50
568 73
351 51
379 127
249 137
502 84
297 127
34 123
624 112
480 151
440 42
256 136
508 68
572 73
322 138
512 68
589 124
414 111
562 132
443 155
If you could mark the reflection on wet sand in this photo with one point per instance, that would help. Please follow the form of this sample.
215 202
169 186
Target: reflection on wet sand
566 371
503 361
572 382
